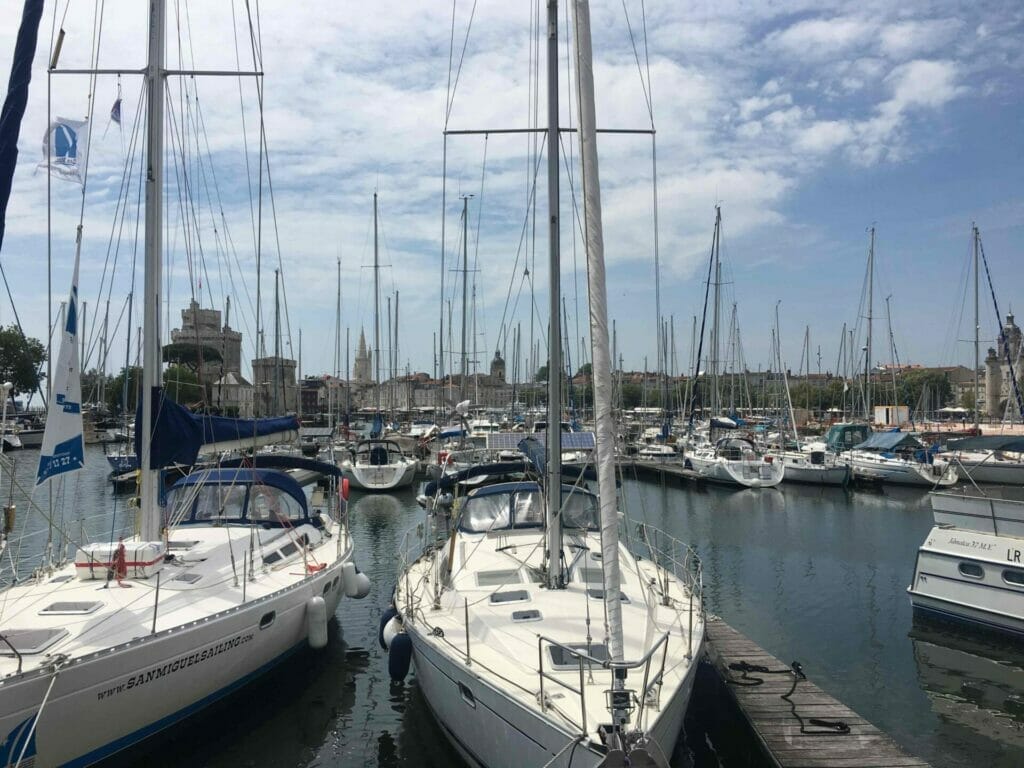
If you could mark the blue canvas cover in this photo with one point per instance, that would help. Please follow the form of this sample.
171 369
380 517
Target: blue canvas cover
179 434
245 477
1013 443
889 441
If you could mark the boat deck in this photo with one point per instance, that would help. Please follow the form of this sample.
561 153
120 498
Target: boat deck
808 728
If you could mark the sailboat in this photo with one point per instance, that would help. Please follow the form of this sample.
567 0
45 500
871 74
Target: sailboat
378 464
721 454
540 638
241 567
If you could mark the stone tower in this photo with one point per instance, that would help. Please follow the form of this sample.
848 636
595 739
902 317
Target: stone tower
498 366
202 326
362 371
997 371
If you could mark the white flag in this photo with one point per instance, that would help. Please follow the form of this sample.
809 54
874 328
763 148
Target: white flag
64 148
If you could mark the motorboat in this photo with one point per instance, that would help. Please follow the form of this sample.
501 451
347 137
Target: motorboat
971 566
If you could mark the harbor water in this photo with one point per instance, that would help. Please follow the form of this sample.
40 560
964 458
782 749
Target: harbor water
816 575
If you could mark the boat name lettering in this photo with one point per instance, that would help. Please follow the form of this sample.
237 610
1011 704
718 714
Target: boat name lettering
177 665
1013 555
972 544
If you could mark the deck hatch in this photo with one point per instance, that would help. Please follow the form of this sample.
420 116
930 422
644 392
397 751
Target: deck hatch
497 578
511 596
28 641
188 578
564 658
67 608
529 615
598 594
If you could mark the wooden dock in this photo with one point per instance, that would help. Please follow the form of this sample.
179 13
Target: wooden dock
797 725
662 470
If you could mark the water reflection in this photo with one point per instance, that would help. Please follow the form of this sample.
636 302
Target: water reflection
973 681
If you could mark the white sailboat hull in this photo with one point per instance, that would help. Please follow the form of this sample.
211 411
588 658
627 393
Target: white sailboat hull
881 469
800 469
748 474
498 732
108 700
382 477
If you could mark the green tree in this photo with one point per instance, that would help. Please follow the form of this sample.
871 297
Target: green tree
182 385
912 384
20 359
116 391
542 373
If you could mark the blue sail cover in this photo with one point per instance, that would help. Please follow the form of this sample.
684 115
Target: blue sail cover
377 429
179 434
17 99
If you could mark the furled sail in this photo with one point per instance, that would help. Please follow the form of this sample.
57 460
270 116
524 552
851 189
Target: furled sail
63 448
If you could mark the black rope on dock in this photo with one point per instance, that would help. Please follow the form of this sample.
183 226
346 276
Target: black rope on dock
821 726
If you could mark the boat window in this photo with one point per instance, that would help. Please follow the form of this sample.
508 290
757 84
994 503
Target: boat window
497 578
467 695
71 608
529 509
1011 576
579 510
267 619
512 596
563 657
219 502
27 641
972 570
272 505
486 513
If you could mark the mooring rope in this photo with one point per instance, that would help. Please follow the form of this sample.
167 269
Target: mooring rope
747 680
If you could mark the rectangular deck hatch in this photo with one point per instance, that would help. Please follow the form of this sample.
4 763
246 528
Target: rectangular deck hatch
28 641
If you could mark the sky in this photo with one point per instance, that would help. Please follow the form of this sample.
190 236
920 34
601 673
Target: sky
807 122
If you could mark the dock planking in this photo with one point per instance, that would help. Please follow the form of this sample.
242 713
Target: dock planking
661 469
783 740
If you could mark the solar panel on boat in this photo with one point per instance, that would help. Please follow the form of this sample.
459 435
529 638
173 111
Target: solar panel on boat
571 441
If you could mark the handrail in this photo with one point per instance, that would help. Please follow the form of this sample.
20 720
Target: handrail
609 664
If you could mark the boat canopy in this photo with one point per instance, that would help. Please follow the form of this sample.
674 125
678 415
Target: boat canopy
179 435
240 495
278 461
1013 443
843 437
889 441
521 505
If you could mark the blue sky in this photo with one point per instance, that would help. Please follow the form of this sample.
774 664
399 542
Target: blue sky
807 122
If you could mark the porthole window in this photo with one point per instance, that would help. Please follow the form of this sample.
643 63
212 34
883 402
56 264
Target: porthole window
267 619
972 570
467 695
1013 576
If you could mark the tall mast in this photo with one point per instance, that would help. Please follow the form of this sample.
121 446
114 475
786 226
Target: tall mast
465 281
715 405
555 579
151 359
376 306
871 298
601 362
977 362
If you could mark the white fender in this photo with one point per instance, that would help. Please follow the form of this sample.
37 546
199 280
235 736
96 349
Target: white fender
391 629
357 584
316 622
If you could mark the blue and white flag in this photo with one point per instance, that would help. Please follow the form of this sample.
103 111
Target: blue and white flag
64 148
63 448
115 111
